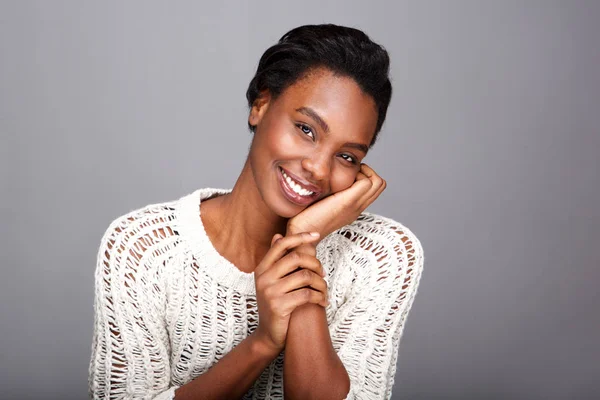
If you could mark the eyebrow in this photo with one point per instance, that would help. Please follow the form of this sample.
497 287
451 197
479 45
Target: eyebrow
358 146
309 112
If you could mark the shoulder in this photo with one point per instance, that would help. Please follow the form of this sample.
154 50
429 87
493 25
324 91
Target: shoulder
133 241
379 248
141 225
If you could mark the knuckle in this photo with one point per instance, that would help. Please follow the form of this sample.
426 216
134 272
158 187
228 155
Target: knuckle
306 293
284 243
323 291
278 246
276 309
306 275
315 268
268 292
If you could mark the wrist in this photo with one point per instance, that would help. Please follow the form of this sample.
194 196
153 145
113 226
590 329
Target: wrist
292 230
296 229
263 347
309 313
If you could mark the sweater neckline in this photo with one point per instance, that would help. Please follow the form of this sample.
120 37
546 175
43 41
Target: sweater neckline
189 225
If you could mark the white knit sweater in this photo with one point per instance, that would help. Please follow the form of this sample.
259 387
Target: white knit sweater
168 306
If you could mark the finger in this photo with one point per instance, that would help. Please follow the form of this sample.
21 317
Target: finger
299 297
370 195
360 175
291 262
362 183
365 169
370 173
276 237
381 189
374 197
280 248
309 249
300 279
374 178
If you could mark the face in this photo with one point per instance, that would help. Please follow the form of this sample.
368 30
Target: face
310 141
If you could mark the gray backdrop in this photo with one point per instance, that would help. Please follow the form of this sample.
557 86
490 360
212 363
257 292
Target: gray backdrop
491 152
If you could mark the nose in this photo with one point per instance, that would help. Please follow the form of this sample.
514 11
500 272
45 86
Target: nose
318 165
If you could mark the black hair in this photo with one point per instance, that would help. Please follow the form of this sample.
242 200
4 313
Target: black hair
343 50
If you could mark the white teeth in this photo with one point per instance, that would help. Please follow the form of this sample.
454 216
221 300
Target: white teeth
296 187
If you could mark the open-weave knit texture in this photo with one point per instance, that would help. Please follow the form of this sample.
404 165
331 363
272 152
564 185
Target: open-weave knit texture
168 306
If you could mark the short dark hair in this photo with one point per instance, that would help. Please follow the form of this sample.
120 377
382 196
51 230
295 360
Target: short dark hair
343 50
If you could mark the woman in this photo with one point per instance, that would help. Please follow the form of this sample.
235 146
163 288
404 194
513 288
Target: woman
282 285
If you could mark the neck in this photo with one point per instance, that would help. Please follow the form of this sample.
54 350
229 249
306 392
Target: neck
240 225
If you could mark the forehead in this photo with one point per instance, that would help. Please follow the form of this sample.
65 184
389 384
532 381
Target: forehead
337 99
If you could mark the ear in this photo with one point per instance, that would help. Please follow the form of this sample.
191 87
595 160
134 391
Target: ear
259 108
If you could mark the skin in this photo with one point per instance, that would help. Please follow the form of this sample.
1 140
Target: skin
259 230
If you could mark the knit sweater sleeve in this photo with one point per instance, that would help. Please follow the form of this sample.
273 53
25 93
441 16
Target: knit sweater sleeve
386 261
130 348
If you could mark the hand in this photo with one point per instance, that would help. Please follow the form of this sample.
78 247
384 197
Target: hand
280 288
341 208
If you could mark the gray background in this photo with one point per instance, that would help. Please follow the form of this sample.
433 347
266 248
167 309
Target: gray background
491 152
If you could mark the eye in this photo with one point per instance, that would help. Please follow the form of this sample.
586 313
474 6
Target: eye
306 130
348 158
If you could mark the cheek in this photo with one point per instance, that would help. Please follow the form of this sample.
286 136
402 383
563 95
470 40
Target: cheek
264 149
285 145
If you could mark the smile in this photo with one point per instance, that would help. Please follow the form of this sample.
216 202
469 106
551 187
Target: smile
296 186
295 191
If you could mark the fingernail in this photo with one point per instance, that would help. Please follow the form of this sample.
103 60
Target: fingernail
314 234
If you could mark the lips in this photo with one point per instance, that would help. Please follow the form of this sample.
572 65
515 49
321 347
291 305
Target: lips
291 195
305 185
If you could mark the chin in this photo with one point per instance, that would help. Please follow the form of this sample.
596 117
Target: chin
284 209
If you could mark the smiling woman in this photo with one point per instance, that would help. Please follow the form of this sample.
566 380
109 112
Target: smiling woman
283 285
313 136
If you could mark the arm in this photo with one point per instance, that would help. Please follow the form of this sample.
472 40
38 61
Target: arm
312 368
367 327
233 375
130 352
